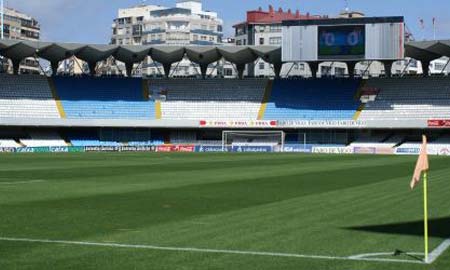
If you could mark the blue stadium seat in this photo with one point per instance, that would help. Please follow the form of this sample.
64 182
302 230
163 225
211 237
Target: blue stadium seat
317 99
103 98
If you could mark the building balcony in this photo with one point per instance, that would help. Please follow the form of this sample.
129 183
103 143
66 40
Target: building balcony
202 42
154 42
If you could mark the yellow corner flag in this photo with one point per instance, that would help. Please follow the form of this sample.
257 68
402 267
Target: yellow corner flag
422 166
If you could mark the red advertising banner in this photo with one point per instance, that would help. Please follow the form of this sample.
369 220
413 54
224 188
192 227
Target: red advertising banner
175 148
439 123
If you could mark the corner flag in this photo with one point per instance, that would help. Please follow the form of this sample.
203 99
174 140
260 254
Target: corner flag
422 167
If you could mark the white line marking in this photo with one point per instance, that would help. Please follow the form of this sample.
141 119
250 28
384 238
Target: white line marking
202 250
22 182
369 255
432 257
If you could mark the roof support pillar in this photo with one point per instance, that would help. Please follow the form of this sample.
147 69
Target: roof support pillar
351 69
203 69
167 68
92 66
16 66
388 68
277 68
129 68
54 65
240 69
314 67
426 67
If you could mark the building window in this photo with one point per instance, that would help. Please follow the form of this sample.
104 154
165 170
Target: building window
275 40
325 70
261 41
339 71
275 28
227 72
262 66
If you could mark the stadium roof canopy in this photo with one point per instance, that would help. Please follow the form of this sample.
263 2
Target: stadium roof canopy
17 50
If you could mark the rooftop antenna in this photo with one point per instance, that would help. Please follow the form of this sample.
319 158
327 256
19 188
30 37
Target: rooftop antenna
347 8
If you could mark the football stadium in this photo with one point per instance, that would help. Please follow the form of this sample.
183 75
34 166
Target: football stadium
205 172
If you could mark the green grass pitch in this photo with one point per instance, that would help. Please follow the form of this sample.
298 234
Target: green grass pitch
319 206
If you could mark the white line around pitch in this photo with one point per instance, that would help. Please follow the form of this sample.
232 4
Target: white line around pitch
204 250
22 182
438 251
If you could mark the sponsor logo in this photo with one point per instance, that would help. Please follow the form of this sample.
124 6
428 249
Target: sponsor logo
439 123
245 124
101 149
407 151
322 123
364 150
25 150
384 151
175 148
254 149
297 149
59 149
332 150
444 151
7 149
208 148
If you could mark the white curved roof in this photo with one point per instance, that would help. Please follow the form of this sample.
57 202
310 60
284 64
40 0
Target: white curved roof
167 54
164 54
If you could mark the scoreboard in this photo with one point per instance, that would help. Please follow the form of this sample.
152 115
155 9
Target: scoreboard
352 39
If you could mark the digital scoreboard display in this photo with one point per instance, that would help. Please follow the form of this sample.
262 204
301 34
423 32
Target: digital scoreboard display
341 42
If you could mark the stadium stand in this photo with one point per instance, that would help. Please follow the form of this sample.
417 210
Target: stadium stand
409 98
88 138
183 137
9 143
33 97
27 96
217 99
315 99
43 138
103 98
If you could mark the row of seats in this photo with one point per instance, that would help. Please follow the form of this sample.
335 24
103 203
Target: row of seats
319 99
32 96
209 99
103 98
409 99
26 97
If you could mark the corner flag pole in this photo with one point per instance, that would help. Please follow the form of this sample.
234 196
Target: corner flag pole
425 212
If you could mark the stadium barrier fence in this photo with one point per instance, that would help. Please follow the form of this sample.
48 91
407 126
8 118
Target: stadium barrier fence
439 150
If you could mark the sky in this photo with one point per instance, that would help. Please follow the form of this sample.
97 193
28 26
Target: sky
89 21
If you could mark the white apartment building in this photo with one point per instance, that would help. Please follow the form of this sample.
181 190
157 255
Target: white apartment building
20 26
186 23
